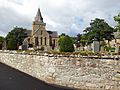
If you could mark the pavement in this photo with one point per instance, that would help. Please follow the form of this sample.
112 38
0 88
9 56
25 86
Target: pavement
11 79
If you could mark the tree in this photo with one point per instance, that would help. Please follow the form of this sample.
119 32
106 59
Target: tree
100 30
83 41
117 19
63 34
61 38
66 44
1 41
15 38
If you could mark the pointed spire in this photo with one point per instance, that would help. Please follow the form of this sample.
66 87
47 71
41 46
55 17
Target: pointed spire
38 17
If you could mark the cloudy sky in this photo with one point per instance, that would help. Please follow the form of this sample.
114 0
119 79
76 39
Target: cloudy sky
64 16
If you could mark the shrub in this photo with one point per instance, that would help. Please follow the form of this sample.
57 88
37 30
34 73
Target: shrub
66 44
42 48
83 53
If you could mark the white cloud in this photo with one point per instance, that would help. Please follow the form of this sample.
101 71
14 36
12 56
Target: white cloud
68 16
10 18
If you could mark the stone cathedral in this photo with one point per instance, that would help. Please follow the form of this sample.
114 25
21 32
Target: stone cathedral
39 37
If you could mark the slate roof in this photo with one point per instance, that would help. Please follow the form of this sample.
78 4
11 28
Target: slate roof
29 32
53 34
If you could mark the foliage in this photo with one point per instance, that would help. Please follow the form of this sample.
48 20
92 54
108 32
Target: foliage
66 44
83 40
61 38
98 29
83 53
25 51
86 53
1 41
73 39
110 49
117 19
11 44
114 53
42 48
15 38
63 34
77 41
80 40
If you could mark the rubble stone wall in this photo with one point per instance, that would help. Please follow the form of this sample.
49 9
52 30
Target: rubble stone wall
81 73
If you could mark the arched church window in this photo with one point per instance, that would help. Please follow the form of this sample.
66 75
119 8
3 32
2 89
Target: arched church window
36 41
41 40
50 41
45 41
54 42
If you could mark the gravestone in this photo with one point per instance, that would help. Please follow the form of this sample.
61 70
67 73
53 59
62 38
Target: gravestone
89 47
4 45
102 49
95 46
25 44
117 49
20 47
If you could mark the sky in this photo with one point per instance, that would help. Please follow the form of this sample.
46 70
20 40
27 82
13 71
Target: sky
64 16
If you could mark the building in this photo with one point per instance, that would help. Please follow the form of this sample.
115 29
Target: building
39 37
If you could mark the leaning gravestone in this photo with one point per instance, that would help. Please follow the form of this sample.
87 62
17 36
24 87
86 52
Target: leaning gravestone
95 46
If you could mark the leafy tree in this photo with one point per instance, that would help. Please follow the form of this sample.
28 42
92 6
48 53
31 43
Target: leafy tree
12 44
61 38
100 30
1 41
83 40
15 38
63 34
66 44
117 19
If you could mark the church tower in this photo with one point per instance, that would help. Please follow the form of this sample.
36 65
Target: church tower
40 37
38 31
38 23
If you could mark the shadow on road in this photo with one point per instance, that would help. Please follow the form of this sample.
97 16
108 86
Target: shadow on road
11 79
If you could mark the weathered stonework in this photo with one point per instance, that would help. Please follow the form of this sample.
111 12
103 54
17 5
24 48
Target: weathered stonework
71 72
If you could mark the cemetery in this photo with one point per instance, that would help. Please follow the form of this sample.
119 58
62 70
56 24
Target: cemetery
99 38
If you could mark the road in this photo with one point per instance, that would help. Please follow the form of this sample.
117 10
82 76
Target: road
11 79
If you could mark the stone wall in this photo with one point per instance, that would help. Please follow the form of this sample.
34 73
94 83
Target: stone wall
71 72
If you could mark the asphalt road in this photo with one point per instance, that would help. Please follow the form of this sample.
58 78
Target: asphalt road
11 79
